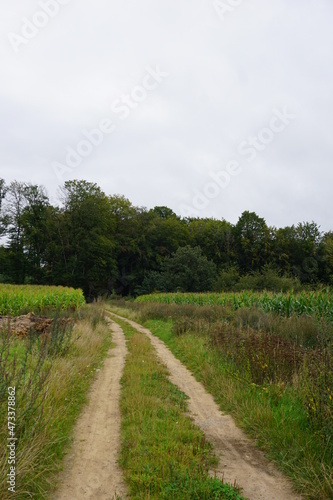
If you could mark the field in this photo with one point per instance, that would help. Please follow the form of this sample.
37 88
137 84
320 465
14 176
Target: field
266 358
318 303
20 299
268 361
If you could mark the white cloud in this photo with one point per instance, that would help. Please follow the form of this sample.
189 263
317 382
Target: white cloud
225 80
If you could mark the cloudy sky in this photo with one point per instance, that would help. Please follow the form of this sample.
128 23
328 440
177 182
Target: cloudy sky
208 107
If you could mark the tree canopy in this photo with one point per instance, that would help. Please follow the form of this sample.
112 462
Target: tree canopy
104 244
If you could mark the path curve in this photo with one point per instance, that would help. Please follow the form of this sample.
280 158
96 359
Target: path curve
240 461
91 469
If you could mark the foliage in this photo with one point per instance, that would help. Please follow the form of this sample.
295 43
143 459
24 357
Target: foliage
252 239
268 279
188 270
106 245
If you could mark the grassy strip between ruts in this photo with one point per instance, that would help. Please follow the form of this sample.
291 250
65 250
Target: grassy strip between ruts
51 388
164 455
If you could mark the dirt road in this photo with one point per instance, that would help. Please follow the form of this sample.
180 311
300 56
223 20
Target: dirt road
91 470
240 461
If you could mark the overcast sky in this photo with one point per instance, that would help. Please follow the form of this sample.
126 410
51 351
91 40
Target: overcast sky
210 108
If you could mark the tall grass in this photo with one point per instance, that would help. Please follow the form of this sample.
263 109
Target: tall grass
273 373
52 374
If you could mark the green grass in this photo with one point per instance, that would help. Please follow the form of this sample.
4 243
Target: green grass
275 417
274 413
163 454
51 389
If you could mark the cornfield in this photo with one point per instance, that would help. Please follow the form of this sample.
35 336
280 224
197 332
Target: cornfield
319 303
18 299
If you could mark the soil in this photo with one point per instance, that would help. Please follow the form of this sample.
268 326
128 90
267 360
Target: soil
21 326
240 461
91 470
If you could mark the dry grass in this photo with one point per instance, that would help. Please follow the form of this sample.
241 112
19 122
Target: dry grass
46 431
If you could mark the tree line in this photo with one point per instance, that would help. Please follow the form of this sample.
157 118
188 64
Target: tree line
103 244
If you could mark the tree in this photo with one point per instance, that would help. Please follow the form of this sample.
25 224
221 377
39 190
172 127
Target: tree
13 207
3 190
128 236
87 238
165 233
326 258
252 238
187 270
35 228
308 236
215 238
295 250
164 212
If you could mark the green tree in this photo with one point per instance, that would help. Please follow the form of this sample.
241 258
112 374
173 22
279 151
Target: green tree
3 190
86 233
253 242
295 250
35 224
215 238
187 270
326 258
128 237
165 233
13 207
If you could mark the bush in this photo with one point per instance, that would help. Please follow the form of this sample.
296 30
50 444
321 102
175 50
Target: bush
267 279
227 280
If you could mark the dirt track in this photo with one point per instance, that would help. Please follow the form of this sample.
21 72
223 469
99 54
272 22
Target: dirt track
91 470
240 461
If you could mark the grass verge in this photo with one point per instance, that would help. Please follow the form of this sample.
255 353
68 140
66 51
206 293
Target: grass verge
164 455
52 377
276 419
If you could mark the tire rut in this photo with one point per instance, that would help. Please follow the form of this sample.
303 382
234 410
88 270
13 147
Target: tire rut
91 469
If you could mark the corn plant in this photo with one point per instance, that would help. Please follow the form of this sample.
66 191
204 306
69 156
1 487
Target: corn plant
17 299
